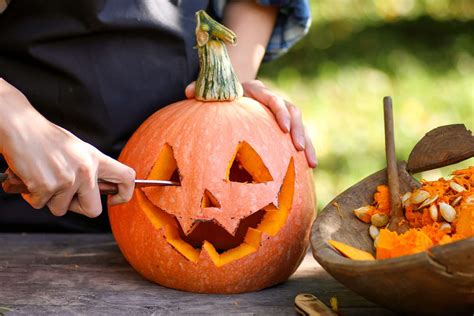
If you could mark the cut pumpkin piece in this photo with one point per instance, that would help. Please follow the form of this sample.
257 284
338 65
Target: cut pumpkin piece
351 252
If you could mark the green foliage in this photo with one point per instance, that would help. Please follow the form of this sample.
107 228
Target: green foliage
419 52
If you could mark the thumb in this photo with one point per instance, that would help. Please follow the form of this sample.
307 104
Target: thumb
190 90
113 171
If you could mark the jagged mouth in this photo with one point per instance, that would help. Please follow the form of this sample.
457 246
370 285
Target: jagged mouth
215 234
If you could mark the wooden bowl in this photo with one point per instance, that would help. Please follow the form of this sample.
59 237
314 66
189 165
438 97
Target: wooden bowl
438 281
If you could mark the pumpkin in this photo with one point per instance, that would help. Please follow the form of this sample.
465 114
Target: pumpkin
240 219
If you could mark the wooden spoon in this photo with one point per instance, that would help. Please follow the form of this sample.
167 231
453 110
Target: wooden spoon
309 305
397 219
441 147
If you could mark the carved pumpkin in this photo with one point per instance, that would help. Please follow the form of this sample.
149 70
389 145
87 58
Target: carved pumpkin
240 219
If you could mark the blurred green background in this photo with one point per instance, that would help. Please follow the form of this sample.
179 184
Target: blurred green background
358 51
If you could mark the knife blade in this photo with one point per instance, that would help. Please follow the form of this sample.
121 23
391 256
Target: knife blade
12 184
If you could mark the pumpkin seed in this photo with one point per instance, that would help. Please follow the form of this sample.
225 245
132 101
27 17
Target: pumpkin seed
419 196
406 199
456 201
447 211
434 212
373 231
376 241
445 226
428 201
379 220
361 212
470 199
456 187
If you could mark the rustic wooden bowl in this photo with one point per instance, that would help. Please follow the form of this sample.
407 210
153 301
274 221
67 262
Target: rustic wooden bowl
439 281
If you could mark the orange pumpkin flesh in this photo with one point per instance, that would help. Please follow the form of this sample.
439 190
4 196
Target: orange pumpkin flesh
240 219
252 235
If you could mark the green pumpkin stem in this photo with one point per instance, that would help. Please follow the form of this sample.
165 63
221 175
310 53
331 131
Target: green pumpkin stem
216 80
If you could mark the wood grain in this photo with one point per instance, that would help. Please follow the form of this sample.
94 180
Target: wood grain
86 274
441 147
440 281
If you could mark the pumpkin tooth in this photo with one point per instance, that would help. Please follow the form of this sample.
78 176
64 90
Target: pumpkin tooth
456 187
434 212
428 201
187 224
419 196
447 211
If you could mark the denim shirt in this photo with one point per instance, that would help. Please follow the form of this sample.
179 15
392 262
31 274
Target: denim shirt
293 22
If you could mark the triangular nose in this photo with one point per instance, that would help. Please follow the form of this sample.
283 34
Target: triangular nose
209 200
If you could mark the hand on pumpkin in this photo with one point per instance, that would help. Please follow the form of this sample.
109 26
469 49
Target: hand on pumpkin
59 169
287 115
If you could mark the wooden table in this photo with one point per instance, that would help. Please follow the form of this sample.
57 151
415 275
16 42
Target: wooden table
86 274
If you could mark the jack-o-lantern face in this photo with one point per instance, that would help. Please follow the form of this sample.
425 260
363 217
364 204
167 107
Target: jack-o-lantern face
195 217
243 208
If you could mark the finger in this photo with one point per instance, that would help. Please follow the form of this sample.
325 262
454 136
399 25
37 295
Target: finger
275 103
39 195
190 90
252 83
309 151
297 129
35 200
113 171
60 202
87 201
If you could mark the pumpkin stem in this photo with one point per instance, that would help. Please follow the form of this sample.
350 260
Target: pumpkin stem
216 80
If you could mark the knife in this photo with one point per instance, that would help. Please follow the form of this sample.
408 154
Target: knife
12 184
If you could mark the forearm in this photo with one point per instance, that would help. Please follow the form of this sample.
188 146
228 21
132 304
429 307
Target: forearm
16 113
253 25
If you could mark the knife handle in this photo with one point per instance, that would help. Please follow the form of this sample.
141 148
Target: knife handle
13 184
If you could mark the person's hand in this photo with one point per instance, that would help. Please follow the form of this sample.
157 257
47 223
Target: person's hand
287 115
59 169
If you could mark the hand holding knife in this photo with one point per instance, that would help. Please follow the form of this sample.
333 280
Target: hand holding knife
12 184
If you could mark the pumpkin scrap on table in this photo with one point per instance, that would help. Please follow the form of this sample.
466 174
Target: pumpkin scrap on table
439 212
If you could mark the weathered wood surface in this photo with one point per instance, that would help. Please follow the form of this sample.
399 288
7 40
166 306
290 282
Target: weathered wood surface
86 274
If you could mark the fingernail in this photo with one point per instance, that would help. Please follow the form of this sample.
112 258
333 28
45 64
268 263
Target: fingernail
286 124
301 142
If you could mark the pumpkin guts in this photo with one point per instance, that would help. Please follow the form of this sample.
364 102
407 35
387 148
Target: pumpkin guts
439 212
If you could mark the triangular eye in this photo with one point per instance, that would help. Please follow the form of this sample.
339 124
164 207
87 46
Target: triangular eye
165 167
247 166
209 200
